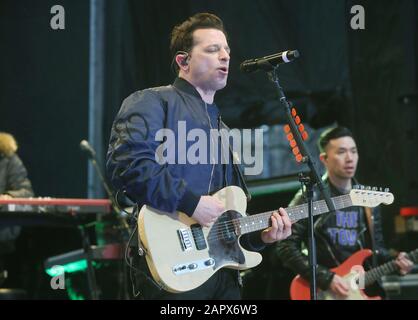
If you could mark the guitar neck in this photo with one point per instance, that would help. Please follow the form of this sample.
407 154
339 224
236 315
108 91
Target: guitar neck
262 220
375 274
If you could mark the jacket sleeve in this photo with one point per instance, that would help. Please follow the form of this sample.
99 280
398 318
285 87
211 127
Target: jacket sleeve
18 185
253 242
131 162
289 251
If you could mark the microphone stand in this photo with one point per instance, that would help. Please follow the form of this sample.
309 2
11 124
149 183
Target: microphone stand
109 193
105 185
309 180
122 221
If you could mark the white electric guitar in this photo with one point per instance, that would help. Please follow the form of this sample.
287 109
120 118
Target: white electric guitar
182 255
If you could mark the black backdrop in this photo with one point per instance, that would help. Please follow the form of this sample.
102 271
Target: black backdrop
44 92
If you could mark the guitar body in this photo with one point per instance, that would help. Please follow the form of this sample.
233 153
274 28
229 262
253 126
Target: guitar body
182 255
349 269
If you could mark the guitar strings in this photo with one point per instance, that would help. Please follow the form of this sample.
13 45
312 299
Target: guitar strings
218 233
219 230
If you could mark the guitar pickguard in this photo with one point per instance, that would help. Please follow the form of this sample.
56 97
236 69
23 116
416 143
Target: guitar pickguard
223 242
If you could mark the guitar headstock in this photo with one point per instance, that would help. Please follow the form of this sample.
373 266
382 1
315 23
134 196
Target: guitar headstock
370 197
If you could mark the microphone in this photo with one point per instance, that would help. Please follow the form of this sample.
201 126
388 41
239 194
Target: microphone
267 63
85 145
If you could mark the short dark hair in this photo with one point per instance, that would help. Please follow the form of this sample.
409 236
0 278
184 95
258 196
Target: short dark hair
332 133
182 34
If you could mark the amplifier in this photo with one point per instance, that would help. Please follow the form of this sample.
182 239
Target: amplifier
401 287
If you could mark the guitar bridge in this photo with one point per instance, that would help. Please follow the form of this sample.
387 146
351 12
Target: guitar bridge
185 239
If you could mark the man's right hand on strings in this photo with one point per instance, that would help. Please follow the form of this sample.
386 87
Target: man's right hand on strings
208 210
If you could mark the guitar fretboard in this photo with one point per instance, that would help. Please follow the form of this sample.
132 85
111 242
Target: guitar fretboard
375 274
262 220
390 267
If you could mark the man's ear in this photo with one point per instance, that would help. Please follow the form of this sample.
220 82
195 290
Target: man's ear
323 157
182 59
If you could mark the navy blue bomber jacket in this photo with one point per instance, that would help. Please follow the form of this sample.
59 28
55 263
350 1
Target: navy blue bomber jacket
131 162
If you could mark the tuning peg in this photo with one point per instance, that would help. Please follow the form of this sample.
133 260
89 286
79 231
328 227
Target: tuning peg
368 188
362 187
380 189
356 187
386 189
374 188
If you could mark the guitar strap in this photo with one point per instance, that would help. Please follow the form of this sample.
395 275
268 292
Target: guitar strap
368 213
235 162
369 217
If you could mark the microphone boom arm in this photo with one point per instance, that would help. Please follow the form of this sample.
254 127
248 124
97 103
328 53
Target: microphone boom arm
309 181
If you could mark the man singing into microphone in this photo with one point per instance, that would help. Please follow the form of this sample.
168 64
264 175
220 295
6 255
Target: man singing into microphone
201 56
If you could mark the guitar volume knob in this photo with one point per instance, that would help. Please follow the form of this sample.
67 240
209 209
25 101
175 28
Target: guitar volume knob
209 262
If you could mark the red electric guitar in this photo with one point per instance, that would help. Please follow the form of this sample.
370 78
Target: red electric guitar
352 271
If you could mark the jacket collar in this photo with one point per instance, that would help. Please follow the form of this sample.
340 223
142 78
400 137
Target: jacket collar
335 190
187 87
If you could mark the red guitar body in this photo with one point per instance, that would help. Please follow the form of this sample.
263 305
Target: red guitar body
300 288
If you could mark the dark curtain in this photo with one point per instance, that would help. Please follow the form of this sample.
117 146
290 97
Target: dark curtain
383 73
44 92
